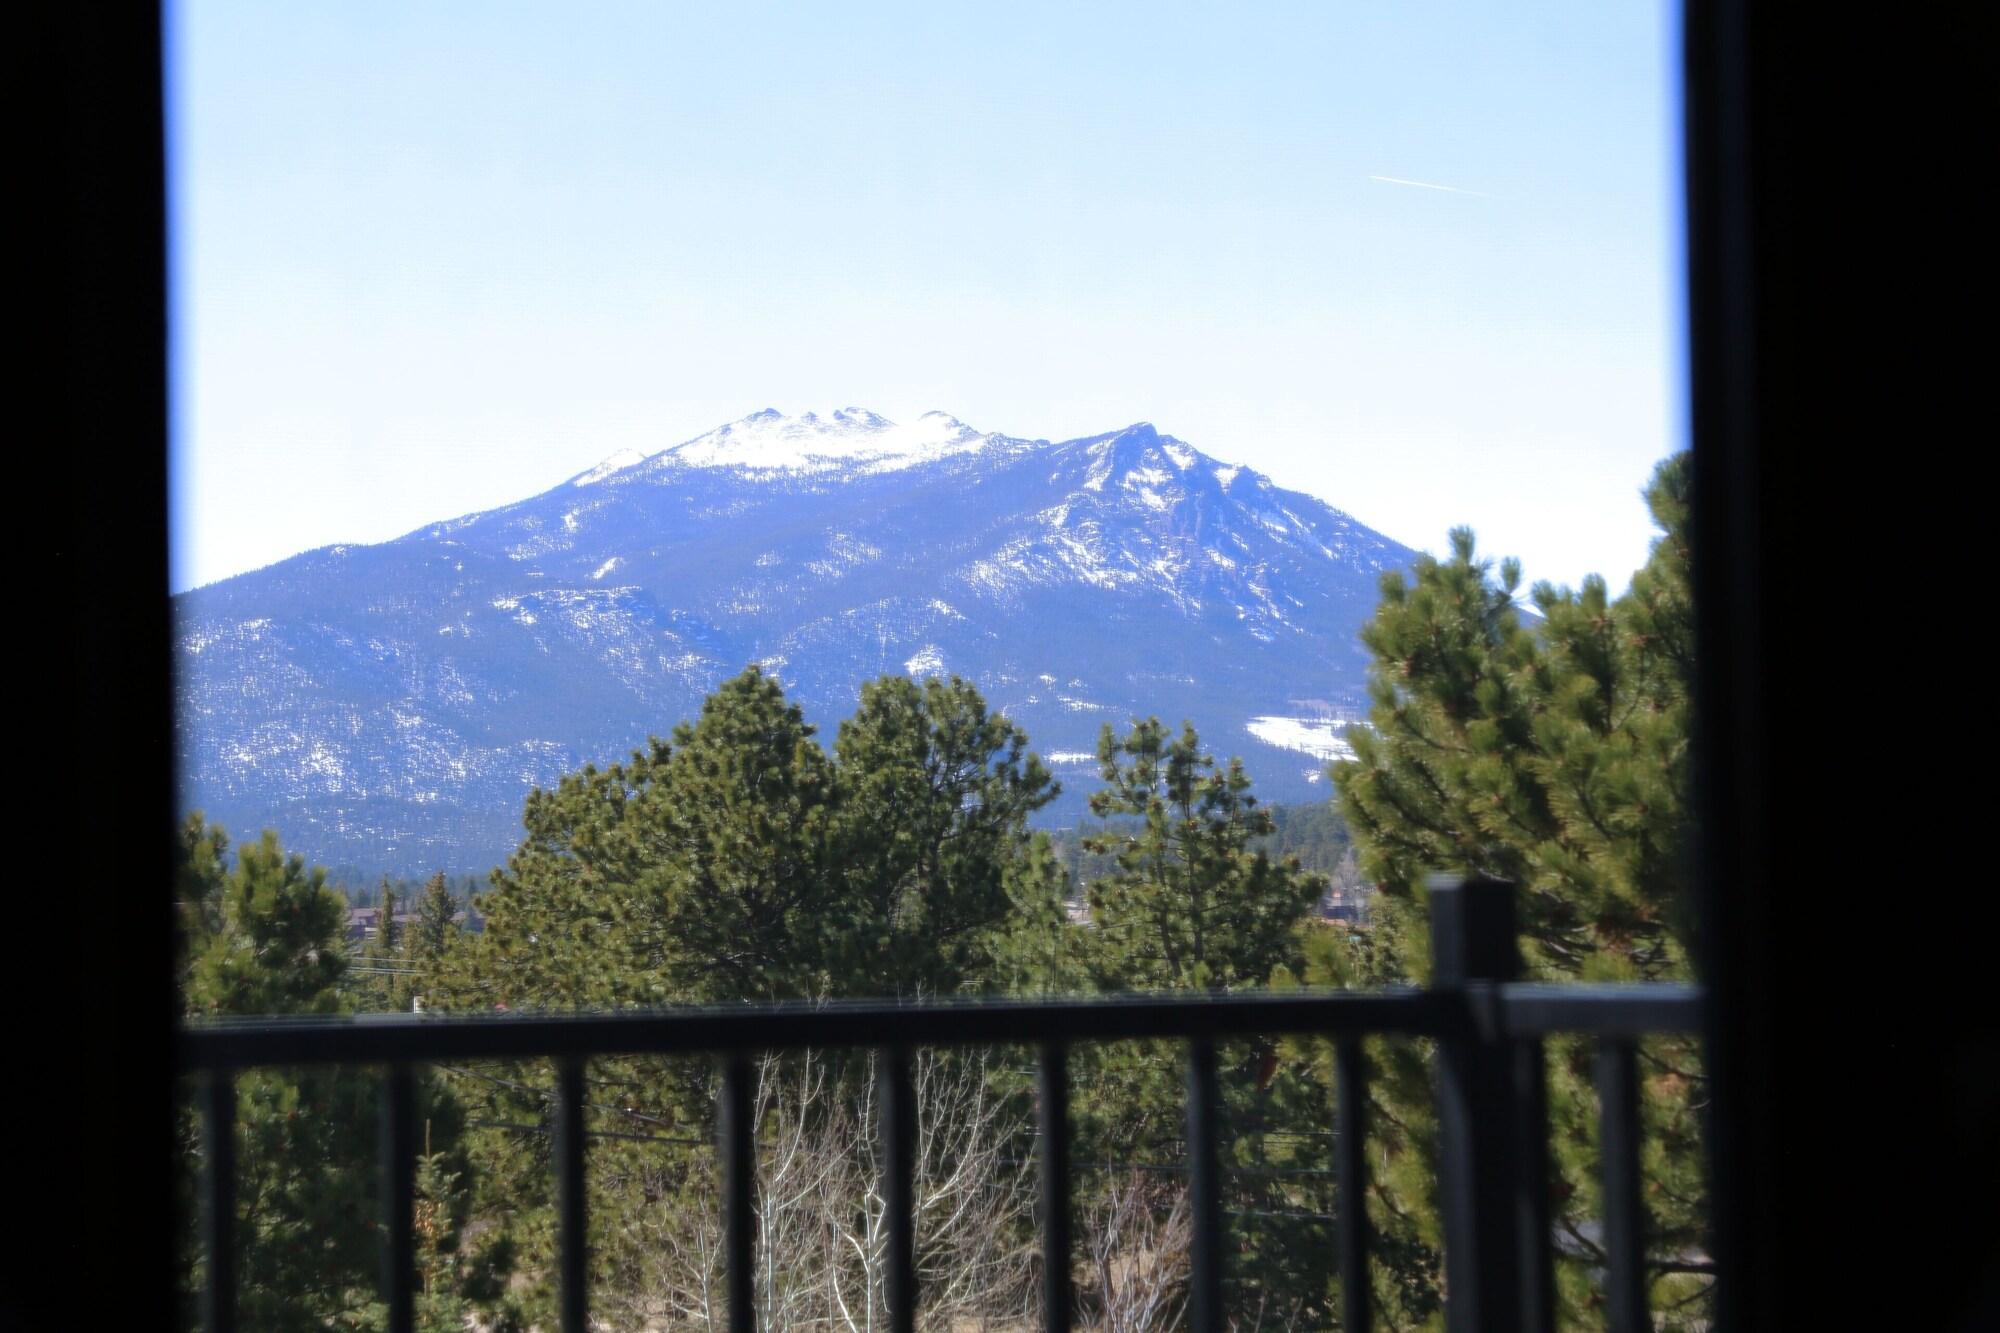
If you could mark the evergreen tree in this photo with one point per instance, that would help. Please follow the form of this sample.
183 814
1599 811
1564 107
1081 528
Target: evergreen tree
739 887
200 871
273 941
262 938
740 861
1189 905
386 930
581 919
436 923
1040 952
932 802
1192 903
1556 757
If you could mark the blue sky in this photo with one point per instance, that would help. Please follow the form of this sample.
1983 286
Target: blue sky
429 258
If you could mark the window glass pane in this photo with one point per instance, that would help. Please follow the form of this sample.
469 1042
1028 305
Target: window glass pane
708 503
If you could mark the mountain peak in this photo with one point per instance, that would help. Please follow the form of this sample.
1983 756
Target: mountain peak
769 441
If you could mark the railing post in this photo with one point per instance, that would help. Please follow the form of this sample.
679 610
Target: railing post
1473 949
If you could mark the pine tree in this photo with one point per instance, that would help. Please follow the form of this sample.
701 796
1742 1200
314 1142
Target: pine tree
739 906
1040 952
1555 756
1192 903
741 861
931 808
1189 905
436 924
273 944
387 933
693 872
264 937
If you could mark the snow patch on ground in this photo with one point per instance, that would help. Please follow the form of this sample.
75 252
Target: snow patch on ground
1316 736
926 661
606 567
843 553
1100 468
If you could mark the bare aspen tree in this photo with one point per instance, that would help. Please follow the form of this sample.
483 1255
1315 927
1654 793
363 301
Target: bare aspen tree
822 1229
1137 1231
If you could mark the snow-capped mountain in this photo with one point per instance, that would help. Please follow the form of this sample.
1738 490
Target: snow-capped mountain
391 705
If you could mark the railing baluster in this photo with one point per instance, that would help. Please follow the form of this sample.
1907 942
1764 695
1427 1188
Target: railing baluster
1054 1097
218 1123
571 1237
399 1196
1205 1187
1624 1229
899 1131
1531 1121
1351 1168
739 1175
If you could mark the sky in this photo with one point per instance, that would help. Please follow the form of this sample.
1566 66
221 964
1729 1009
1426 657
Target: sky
1421 260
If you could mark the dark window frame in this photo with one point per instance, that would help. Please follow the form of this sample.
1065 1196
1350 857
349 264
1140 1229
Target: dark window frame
1767 99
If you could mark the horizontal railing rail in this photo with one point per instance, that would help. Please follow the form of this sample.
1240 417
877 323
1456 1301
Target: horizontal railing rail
1524 1010
1493 1117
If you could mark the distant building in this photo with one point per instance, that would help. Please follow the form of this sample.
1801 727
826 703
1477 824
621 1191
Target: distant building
1346 905
360 921
363 922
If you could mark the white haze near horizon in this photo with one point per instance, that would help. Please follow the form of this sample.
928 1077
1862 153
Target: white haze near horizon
1420 261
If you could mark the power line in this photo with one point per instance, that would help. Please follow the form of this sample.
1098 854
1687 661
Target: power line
548 1094
589 1133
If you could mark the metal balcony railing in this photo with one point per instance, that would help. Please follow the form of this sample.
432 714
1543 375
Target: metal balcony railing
1492 1114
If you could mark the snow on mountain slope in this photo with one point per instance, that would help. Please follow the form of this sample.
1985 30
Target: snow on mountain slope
391 705
770 442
